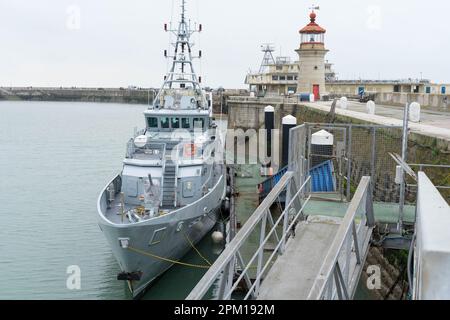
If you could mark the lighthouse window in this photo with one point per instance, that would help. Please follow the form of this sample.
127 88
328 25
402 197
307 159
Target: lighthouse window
152 122
165 124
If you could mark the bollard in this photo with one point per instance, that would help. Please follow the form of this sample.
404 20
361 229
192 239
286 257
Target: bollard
370 107
343 103
269 121
414 112
289 122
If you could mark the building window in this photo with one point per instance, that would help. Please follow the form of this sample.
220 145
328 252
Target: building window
428 90
397 88
290 78
152 122
443 90
274 78
282 78
296 78
279 67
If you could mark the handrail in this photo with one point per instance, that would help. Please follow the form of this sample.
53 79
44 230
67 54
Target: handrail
226 261
163 171
177 167
350 239
231 250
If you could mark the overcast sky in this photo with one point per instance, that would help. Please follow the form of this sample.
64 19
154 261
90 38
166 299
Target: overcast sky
112 43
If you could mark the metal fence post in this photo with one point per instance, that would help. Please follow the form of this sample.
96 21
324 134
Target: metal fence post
373 159
349 163
404 159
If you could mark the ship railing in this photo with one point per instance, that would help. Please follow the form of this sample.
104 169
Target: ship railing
231 259
163 170
177 168
341 269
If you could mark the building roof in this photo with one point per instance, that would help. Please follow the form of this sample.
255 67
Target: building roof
313 27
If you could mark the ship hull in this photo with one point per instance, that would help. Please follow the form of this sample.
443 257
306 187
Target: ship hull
153 246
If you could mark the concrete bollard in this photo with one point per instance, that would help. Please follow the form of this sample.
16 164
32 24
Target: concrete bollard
343 103
370 107
312 98
414 112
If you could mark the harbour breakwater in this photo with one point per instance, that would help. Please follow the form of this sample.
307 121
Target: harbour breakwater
74 94
106 95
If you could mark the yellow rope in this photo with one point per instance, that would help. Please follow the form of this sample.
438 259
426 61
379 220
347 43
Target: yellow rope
196 250
166 259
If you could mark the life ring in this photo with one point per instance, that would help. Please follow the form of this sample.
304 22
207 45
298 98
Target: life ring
190 150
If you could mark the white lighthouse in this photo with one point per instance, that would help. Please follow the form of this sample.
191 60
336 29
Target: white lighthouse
311 77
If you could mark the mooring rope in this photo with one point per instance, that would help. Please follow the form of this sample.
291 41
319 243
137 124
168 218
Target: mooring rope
167 259
196 250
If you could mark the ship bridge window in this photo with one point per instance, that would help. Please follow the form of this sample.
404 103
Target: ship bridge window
152 122
185 123
175 123
165 123
199 123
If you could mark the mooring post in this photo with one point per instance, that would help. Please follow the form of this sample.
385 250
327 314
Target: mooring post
404 159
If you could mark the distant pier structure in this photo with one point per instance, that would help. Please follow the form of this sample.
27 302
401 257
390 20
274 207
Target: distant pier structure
312 51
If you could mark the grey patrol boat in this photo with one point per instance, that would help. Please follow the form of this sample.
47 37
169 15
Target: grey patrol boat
170 191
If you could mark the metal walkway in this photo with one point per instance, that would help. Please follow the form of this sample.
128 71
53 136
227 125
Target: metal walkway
294 273
312 258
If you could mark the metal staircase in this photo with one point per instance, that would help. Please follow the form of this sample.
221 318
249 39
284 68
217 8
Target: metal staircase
168 200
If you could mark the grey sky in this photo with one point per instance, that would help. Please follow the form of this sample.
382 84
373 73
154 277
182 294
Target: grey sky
120 43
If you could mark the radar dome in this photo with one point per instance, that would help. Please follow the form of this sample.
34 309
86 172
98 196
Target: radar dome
140 141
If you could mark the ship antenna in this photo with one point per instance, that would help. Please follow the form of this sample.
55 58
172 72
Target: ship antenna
182 71
183 10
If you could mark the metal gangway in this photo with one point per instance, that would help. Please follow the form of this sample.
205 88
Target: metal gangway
295 246
333 274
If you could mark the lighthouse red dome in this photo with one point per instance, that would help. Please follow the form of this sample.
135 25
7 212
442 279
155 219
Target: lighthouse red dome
313 27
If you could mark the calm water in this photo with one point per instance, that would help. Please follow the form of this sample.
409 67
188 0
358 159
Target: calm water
54 159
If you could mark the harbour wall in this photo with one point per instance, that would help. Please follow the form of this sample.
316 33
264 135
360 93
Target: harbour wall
111 95
106 95
248 113
430 101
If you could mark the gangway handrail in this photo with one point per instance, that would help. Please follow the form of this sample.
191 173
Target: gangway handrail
230 256
341 269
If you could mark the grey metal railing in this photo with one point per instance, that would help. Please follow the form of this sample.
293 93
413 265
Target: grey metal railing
231 257
340 272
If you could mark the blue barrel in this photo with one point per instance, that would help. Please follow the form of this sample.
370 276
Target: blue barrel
304 97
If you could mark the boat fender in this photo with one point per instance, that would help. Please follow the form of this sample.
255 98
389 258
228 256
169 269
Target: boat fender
217 236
